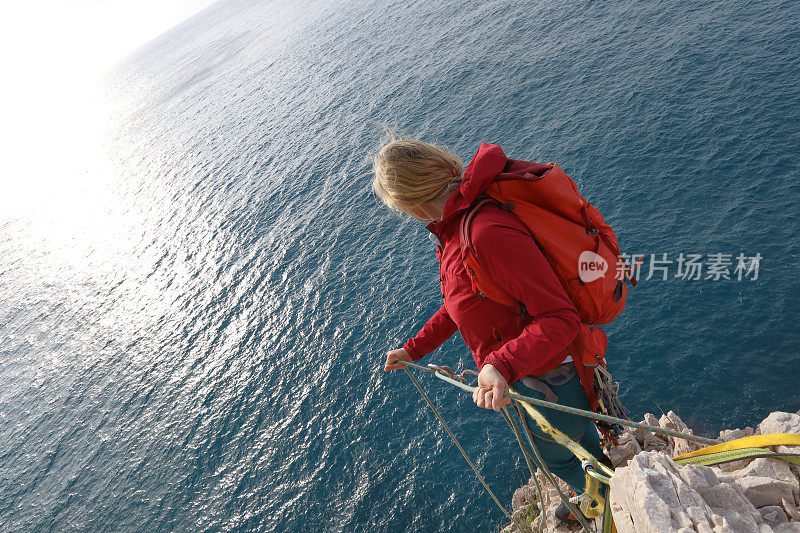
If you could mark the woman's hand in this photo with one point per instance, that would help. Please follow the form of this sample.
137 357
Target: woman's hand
393 356
491 390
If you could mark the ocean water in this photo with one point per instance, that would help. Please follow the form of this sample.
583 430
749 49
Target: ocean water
192 329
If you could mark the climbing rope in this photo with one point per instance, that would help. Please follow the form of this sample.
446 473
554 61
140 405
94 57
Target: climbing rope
592 467
549 476
579 451
455 440
529 460
736 455
592 487
591 484
525 453
440 373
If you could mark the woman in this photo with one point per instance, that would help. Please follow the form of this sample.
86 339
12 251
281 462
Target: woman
528 349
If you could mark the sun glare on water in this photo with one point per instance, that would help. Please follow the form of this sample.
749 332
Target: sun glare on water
57 179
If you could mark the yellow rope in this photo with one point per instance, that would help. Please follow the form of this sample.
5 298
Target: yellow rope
592 487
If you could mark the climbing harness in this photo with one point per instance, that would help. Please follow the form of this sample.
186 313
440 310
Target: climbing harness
595 471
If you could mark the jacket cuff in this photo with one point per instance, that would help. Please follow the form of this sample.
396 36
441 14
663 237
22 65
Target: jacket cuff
415 356
503 367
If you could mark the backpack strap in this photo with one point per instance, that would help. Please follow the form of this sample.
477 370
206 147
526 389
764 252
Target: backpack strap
466 222
481 282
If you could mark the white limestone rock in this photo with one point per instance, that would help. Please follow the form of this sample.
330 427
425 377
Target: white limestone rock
524 496
727 435
654 494
627 448
651 493
773 515
780 422
674 422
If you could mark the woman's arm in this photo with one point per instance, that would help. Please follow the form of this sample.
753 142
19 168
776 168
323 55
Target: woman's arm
436 330
509 255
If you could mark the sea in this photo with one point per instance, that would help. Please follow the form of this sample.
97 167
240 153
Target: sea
193 320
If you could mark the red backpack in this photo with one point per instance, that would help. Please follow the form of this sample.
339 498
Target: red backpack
568 230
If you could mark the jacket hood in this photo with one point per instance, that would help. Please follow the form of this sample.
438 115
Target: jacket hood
485 165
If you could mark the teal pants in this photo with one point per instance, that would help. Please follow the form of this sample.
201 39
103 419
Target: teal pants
559 459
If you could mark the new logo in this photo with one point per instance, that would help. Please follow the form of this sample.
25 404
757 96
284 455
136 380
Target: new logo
591 266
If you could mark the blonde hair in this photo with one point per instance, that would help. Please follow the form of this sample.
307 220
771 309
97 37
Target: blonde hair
409 173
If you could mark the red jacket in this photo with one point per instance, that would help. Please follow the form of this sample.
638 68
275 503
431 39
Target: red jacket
497 334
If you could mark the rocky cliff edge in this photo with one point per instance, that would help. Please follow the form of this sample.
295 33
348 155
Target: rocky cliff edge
650 493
